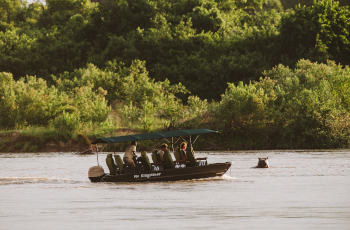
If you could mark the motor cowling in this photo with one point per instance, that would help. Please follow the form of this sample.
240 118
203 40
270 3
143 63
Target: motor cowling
96 171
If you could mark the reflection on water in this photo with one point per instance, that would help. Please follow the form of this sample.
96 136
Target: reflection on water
300 190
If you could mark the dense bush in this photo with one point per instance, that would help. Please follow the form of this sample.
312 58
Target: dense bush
65 63
140 98
78 99
183 41
290 4
307 107
318 33
202 44
30 102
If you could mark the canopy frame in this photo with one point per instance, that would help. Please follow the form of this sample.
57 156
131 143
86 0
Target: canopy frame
98 163
150 136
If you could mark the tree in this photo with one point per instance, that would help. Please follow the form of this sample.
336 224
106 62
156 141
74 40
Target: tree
9 10
317 33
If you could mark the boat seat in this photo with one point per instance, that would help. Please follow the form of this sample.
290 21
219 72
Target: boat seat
120 163
191 157
111 165
154 156
146 161
168 159
202 161
178 154
193 161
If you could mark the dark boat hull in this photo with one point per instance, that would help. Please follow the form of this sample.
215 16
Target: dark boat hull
187 173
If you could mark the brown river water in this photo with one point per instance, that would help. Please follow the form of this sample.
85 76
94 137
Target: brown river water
301 190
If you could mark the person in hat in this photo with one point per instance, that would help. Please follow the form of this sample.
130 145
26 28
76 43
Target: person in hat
161 152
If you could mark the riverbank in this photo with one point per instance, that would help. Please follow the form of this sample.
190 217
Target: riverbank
56 141
16 142
45 140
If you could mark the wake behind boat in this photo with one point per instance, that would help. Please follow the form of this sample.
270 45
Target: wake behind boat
166 170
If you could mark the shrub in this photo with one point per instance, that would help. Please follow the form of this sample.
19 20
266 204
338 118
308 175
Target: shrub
67 121
302 108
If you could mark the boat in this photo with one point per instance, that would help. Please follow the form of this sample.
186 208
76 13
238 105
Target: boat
169 170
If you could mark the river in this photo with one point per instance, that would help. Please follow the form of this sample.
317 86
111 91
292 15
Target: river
301 190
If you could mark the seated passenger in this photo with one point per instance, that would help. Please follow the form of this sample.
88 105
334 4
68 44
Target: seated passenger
130 154
141 159
161 152
183 147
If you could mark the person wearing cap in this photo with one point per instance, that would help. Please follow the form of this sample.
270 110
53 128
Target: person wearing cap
161 152
130 154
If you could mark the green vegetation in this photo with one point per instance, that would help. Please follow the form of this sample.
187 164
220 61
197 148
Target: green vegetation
72 68
31 102
307 107
290 4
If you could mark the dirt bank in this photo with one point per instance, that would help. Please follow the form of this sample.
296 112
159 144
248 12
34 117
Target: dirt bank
17 142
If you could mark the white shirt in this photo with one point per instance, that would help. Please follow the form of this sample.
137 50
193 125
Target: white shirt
129 151
161 153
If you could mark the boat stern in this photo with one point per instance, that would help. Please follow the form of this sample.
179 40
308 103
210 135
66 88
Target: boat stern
96 173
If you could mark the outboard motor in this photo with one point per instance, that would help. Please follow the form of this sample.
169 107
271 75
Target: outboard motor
96 173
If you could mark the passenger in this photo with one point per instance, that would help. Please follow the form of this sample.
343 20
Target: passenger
183 147
141 159
161 152
130 154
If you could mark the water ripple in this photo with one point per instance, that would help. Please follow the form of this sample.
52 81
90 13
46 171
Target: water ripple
31 180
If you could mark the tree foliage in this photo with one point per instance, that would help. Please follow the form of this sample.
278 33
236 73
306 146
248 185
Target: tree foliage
31 102
317 33
307 107
144 56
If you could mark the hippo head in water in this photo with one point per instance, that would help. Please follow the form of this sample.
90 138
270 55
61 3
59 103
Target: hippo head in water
263 163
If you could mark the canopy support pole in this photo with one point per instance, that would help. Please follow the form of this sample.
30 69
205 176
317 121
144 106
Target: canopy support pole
166 140
196 139
97 155
103 147
98 164
172 144
190 141
177 140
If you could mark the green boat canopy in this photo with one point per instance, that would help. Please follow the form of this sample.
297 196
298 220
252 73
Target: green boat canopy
149 136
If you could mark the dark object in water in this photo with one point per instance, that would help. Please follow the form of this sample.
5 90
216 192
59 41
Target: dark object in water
263 163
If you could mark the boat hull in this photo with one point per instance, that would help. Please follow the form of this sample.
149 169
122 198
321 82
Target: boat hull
187 173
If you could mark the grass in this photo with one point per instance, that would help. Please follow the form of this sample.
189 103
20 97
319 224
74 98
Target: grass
3 144
32 138
41 135
29 147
